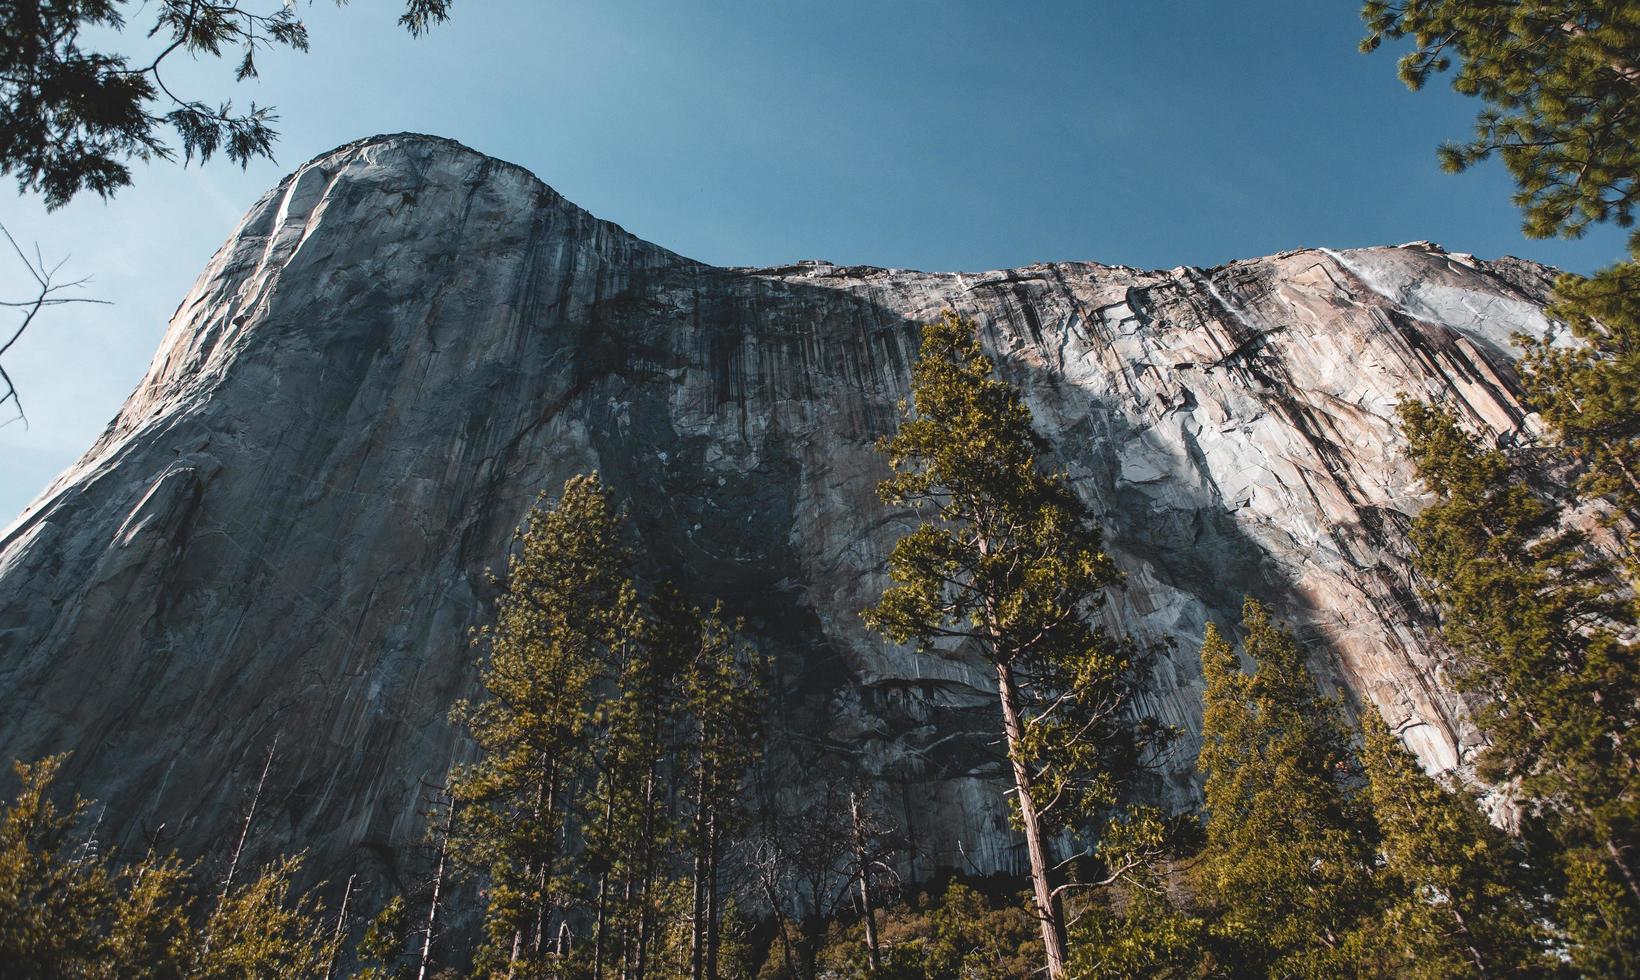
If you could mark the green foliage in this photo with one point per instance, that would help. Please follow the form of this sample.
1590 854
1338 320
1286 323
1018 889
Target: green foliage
1596 912
259 931
1559 80
1287 866
54 898
568 600
957 935
1533 613
381 948
1009 562
1542 628
66 910
1140 931
1459 898
615 740
723 696
73 119
1008 555
634 829
150 934
1590 393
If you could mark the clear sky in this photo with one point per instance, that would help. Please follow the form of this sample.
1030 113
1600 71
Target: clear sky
932 134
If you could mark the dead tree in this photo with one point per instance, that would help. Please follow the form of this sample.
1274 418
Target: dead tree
48 292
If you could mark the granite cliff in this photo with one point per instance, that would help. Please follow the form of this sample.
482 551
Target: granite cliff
284 532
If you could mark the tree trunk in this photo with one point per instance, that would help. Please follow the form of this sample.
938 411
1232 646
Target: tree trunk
1623 868
1047 910
646 926
862 864
713 915
1468 939
341 927
250 816
432 906
781 928
697 924
601 925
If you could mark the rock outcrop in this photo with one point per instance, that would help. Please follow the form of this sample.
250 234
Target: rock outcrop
284 532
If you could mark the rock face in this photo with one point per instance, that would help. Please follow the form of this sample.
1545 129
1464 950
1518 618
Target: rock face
283 535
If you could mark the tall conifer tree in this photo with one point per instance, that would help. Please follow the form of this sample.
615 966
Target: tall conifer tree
567 597
1459 897
1009 562
1542 630
634 829
1287 869
1590 392
722 690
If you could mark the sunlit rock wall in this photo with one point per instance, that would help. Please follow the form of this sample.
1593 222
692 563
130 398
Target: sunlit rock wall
283 535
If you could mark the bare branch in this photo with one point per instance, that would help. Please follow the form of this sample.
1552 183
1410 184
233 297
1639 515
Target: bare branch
46 295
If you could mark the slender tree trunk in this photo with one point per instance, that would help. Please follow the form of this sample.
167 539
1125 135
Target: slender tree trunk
250 816
713 916
601 923
1047 910
432 907
1468 939
697 924
862 871
646 918
1623 868
781 928
512 961
546 801
341 923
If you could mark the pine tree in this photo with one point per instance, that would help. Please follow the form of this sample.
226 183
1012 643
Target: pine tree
1138 929
1540 626
53 901
1596 915
150 934
722 690
260 930
566 588
976 942
1559 79
382 945
1590 393
1460 894
1009 563
633 831
1287 868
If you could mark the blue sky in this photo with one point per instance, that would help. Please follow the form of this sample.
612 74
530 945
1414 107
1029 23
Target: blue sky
932 134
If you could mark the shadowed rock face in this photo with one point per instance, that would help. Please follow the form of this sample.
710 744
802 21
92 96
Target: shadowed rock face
284 532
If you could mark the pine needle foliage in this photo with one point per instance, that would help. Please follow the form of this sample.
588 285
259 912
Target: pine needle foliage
1589 393
1560 82
1543 631
722 691
381 948
261 931
1460 893
567 599
1287 867
615 739
74 119
52 900
1008 562
69 910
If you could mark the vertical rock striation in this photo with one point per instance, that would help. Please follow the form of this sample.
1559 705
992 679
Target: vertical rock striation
285 530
